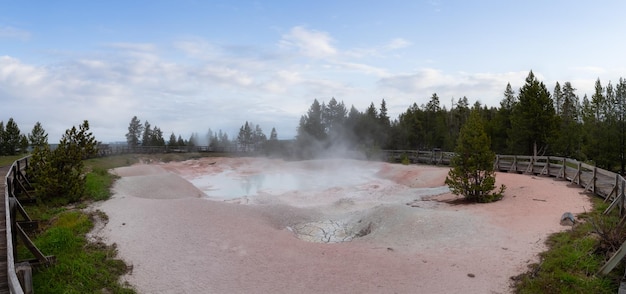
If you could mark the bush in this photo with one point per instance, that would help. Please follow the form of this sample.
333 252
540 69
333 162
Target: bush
472 174
58 174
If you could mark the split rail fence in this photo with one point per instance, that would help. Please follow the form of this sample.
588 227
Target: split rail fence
15 273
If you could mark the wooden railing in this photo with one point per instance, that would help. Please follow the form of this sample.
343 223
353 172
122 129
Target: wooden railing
420 156
106 150
19 273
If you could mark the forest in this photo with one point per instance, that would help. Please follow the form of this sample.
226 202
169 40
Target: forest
531 120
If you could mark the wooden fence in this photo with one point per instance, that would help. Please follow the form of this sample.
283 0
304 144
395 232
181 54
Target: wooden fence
18 272
107 150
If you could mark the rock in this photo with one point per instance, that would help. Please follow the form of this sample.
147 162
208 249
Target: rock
568 219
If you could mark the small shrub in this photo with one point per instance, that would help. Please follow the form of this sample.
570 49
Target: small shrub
404 159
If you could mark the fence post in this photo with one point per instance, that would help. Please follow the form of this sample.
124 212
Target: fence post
623 201
496 165
593 179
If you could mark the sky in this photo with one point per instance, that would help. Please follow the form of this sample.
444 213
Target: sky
188 66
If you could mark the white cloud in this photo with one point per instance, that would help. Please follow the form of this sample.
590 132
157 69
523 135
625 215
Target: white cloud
198 48
484 87
362 68
146 47
310 43
7 32
398 43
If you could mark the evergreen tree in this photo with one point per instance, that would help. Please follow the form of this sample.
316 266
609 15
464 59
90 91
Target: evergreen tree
2 148
569 135
312 124
502 124
273 135
23 143
533 119
334 116
59 174
472 174
311 138
558 98
593 120
146 138
620 99
193 140
134 132
434 124
11 138
38 136
172 141
156 137
244 138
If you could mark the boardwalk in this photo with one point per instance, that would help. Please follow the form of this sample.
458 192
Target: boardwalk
4 284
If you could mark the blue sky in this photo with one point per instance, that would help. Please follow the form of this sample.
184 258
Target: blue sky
187 66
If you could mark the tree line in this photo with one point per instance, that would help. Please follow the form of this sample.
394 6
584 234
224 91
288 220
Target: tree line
250 138
14 142
529 121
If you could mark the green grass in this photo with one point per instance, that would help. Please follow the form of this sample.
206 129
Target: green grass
81 267
571 263
9 159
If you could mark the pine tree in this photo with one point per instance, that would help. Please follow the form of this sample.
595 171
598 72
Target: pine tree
134 132
569 135
59 173
533 119
472 174
172 141
11 138
146 138
2 138
38 136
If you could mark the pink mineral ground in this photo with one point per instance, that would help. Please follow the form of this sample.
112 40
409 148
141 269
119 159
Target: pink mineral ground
399 240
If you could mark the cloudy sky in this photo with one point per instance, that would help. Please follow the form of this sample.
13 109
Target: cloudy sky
187 66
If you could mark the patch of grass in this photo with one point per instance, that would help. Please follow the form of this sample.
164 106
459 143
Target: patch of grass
571 263
9 159
81 267
98 184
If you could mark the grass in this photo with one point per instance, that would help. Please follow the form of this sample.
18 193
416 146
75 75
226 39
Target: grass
9 159
572 261
82 266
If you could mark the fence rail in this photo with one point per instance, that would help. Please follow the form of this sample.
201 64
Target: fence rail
18 272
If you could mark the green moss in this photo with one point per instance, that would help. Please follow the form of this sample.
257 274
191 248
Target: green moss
571 263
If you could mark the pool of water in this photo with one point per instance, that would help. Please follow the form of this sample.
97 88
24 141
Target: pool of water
230 185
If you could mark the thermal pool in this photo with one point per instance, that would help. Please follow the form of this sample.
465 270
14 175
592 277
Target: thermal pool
255 225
